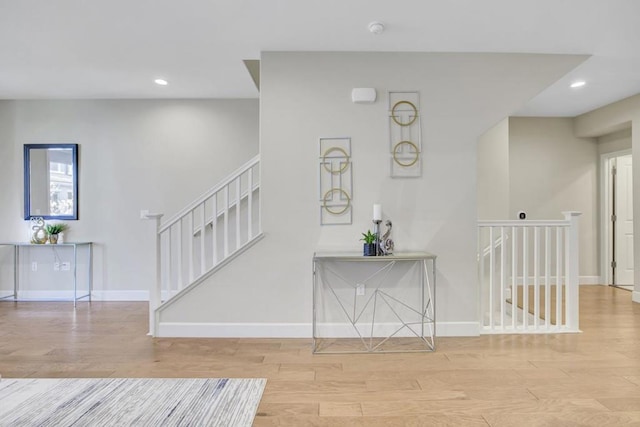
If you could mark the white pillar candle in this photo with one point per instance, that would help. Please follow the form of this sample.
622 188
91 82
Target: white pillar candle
377 212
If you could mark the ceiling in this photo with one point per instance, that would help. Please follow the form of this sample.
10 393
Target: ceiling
76 49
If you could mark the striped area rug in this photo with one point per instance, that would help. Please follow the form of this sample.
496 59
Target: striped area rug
129 401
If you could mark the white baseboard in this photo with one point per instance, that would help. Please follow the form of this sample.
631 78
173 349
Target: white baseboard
457 329
138 295
95 295
287 330
234 330
48 295
635 296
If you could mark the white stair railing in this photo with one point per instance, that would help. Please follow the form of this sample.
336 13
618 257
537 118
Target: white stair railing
528 273
205 235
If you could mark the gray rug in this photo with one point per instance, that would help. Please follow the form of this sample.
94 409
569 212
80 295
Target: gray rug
129 402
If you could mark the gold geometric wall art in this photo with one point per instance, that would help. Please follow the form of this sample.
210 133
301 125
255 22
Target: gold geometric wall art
336 181
405 135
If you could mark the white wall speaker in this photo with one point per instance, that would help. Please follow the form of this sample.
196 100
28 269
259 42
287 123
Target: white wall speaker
363 95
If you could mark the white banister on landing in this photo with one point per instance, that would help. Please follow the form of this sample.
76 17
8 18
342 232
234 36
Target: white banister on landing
206 235
528 274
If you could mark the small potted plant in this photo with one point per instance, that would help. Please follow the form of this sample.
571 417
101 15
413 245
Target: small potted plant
370 243
53 230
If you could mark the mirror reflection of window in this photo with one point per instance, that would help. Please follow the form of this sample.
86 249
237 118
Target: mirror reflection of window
39 177
50 186
60 181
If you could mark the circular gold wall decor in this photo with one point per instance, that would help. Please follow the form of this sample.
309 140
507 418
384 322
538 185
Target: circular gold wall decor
395 153
398 120
328 194
342 168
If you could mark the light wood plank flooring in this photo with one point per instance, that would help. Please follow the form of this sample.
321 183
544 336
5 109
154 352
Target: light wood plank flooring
588 379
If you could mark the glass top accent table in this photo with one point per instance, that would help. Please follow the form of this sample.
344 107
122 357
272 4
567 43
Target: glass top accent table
383 304
76 247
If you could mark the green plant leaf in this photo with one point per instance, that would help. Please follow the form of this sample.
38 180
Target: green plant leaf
368 237
55 228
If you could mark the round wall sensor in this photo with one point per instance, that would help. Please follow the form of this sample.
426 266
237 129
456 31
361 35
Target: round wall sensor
376 27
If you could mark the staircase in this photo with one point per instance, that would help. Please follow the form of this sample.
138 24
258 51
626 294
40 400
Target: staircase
528 274
206 235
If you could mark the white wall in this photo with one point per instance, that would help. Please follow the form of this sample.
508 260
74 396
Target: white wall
608 119
493 172
611 118
10 170
553 171
305 96
11 161
616 141
133 154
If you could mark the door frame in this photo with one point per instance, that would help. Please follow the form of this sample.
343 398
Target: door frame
605 214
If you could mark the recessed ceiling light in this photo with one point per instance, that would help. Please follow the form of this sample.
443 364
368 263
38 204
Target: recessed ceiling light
161 82
578 83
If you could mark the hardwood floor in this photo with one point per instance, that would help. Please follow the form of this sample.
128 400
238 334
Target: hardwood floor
587 379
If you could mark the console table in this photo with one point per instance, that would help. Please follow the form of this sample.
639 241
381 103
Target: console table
367 304
88 246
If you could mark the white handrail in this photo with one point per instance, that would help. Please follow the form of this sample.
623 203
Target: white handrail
245 195
183 261
225 182
154 297
519 258
497 243
524 223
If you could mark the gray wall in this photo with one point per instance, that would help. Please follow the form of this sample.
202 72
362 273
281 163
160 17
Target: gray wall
552 171
615 117
134 154
305 96
537 165
493 173
10 193
616 141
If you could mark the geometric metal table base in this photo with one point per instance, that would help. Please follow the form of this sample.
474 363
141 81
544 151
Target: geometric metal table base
373 304
14 295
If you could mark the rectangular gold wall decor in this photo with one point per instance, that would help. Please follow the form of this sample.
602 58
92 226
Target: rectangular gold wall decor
405 135
336 186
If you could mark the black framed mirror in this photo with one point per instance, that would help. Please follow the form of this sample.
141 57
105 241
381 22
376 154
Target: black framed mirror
51 181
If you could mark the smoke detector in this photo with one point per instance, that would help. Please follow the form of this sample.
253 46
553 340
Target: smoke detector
376 27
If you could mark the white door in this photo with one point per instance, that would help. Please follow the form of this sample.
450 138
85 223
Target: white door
623 203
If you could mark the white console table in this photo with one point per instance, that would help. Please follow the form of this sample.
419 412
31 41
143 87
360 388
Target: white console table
367 304
75 245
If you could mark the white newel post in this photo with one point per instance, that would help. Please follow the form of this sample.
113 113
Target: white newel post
155 298
572 267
